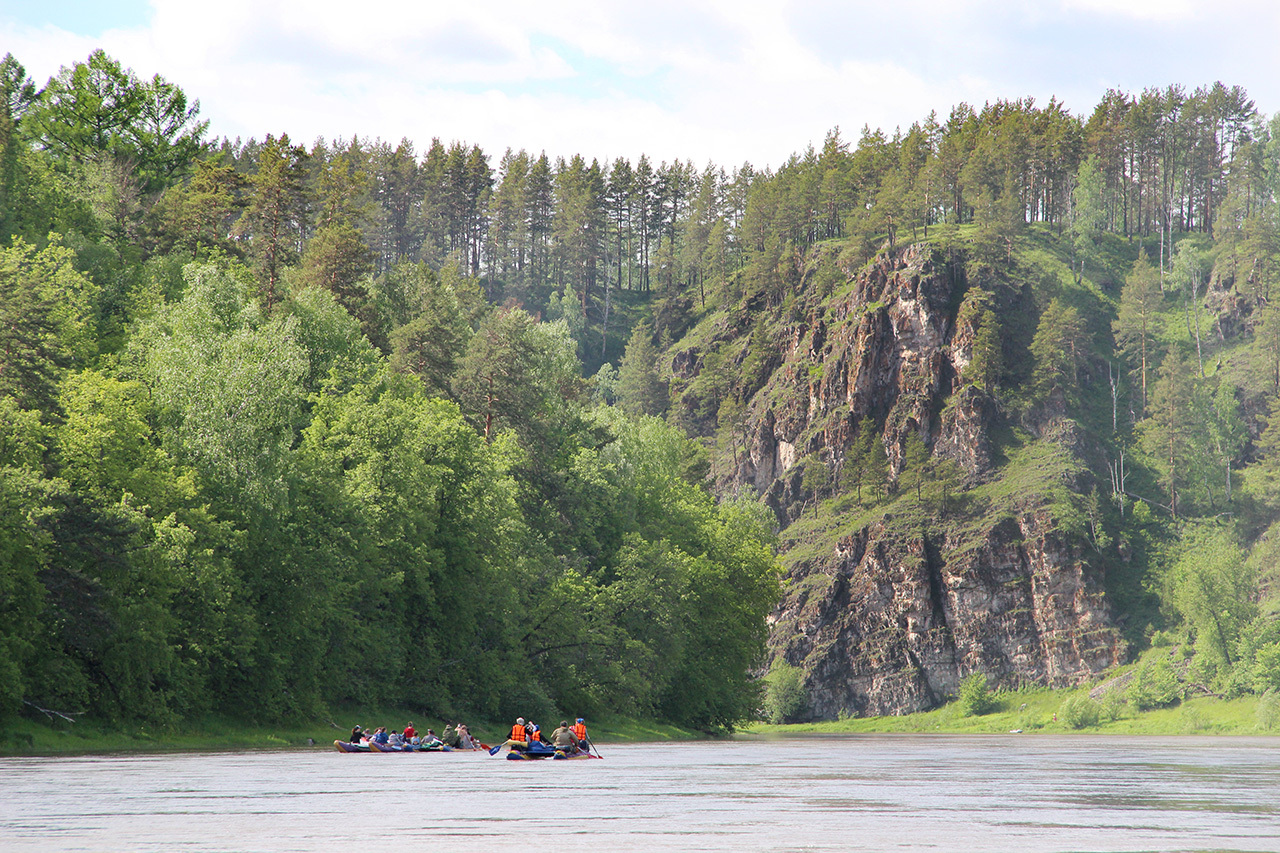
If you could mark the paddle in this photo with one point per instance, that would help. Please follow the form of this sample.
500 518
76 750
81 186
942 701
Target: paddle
592 744
493 750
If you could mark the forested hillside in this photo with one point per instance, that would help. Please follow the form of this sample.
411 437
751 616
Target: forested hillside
291 426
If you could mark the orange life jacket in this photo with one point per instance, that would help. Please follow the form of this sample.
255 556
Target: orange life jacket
517 733
579 731
537 734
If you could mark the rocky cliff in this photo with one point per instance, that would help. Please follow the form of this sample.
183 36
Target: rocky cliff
885 611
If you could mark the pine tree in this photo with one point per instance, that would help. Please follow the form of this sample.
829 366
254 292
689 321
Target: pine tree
915 461
1057 350
1168 433
640 390
1138 320
275 215
868 464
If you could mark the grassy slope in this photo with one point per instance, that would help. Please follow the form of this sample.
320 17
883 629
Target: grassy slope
1033 711
23 736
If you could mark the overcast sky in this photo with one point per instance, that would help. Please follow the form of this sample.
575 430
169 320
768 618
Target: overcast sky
712 80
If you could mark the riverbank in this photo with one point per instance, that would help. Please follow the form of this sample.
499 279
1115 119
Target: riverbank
1047 711
27 736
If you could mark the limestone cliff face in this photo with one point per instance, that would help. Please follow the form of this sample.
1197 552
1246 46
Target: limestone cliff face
890 623
893 616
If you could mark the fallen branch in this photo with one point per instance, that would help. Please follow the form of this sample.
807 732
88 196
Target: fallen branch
1203 690
50 713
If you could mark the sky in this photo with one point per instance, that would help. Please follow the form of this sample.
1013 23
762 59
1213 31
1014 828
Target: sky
712 81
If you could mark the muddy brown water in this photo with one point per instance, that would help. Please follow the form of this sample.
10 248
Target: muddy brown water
873 793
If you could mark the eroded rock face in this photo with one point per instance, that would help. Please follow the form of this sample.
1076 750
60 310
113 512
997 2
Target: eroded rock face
892 623
893 617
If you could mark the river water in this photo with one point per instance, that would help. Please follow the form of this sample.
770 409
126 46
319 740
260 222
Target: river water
875 793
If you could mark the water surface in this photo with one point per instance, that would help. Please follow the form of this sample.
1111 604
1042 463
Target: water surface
874 793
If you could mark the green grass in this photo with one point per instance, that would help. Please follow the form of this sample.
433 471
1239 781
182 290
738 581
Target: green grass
25 736
1038 710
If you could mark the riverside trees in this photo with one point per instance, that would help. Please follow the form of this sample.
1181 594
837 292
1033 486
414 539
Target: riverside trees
283 466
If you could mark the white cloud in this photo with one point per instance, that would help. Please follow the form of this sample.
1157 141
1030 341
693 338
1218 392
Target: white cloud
1142 10
723 80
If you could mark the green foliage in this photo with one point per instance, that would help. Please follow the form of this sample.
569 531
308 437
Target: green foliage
867 464
46 320
97 109
1213 588
1257 654
1080 712
1089 215
359 470
975 699
784 693
1154 684
915 464
227 384
1138 321
1058 350
1268 711
640 390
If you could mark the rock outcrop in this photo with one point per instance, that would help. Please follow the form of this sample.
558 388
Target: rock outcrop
891 617
890 623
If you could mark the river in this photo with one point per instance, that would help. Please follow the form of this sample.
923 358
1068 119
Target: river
874 793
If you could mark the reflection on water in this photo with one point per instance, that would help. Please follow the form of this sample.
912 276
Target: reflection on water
878 793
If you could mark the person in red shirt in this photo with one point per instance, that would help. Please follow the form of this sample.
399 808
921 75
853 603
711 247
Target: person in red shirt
409 731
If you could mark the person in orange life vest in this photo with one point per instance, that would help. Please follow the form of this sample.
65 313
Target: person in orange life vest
535 733
580 732
519 737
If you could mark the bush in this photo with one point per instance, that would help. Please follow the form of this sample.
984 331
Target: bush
1080 712
1268 712
784 698
1113 705
1266 668
1154 685
975 698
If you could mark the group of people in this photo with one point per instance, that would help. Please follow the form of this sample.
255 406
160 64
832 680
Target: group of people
455 736
567 739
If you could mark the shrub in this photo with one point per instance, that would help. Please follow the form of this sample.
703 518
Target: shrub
1268 711
784 698
1113 705
1154 685
975 698
1266 668
1079 712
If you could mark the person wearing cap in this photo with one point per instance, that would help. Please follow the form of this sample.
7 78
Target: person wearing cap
563 738
452 737
519 736
580 731
356 734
